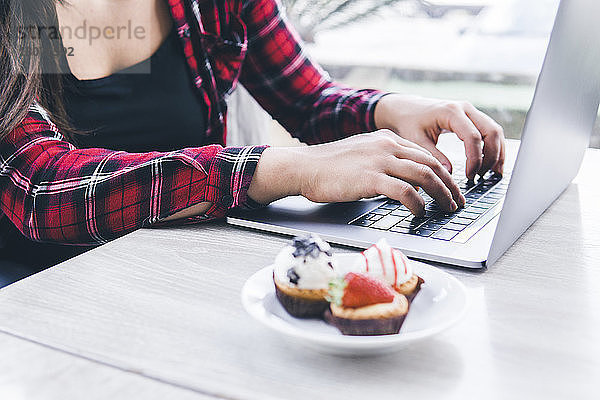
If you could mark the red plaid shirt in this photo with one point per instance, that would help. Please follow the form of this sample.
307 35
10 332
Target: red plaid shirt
54 192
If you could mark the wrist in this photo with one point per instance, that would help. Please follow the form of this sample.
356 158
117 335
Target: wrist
277 175
384 112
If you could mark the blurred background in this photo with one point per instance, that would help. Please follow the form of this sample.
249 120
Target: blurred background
488 52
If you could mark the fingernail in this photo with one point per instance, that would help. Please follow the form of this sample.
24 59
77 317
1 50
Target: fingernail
463 200
453 206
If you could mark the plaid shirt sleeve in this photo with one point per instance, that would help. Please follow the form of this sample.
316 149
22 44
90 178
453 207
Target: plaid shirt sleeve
293 89
54 192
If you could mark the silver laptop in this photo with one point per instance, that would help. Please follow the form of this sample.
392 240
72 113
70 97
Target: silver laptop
499 209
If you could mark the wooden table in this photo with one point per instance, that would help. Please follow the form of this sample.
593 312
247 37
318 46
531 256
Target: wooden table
161 307
31 371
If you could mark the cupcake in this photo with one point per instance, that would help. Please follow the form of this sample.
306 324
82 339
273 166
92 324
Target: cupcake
364 305
301 274
389 265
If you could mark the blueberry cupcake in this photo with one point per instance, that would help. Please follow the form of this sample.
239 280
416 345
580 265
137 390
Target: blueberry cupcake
302 273
363 305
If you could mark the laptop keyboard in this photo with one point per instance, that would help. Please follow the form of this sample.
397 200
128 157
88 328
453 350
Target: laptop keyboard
481 196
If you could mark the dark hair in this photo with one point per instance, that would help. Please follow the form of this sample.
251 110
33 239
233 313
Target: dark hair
29 64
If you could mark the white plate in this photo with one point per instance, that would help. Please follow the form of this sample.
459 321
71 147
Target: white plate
441 302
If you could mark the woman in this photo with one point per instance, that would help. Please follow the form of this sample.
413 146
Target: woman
101 135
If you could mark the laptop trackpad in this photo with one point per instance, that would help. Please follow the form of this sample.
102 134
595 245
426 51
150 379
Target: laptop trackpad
299 208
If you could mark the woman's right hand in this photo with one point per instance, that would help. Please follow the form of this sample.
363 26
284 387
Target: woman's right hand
358 167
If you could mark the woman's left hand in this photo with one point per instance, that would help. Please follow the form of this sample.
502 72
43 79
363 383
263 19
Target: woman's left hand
423 120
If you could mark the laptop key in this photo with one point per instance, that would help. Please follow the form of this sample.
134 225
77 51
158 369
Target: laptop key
468 215
418 220
472 195
445 234
400 213
400 229
386 222
431 226
488 200
388 206
432 207
363 222
422 232
475 210
462 221
454 227
441 220
380 211
406 223
482 206
374 217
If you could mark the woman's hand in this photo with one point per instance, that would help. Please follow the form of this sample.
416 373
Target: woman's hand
422 120
361 166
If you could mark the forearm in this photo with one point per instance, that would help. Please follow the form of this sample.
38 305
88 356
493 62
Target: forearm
54 192
295 90
277 175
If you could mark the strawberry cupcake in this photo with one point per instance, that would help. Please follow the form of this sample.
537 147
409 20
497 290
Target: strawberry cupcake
389 265
301 274
363 305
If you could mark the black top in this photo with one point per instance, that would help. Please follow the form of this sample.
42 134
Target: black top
150 106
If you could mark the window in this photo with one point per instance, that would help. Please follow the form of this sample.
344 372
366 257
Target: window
486 51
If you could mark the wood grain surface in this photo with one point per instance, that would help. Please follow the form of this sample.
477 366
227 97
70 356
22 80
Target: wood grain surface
165 304
30 371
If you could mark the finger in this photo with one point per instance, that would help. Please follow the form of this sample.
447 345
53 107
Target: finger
404 142
438 169
493 136
441 157
463 127
499 167
422 175
402 191
491 153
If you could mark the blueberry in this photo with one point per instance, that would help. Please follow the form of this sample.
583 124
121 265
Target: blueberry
305 246
293 276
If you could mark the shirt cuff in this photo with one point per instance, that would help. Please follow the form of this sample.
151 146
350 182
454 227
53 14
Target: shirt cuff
372 98
229 178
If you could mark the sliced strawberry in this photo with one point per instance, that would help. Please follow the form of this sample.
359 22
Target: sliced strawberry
359 290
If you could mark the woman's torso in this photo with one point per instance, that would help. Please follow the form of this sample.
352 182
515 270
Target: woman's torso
150 106
131 100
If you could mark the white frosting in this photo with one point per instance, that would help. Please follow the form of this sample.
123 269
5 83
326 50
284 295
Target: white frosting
313 272
383 262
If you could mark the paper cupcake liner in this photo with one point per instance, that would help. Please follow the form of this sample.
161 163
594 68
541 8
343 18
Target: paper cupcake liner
299 307
410 297
365 327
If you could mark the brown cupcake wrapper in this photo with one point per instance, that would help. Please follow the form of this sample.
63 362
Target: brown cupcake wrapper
299 307
365 327
410 297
